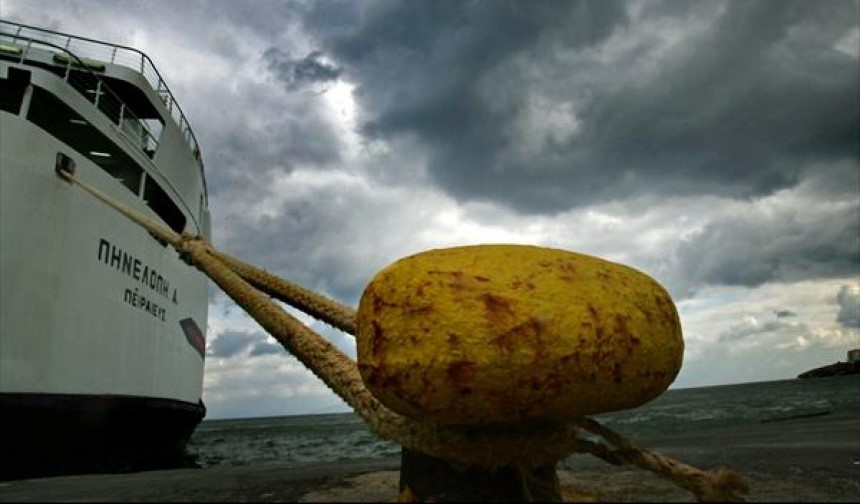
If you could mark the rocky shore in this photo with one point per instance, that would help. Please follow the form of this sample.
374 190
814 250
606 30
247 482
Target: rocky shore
836 369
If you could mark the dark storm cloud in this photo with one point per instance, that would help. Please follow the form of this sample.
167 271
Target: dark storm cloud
849 306
749 98
274 131
793 240
230 343
737 108
318 242
295 73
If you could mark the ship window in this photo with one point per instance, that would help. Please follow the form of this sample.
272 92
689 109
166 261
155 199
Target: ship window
58 119
160 202
12 90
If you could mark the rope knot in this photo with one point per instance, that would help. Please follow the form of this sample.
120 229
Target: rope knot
190 246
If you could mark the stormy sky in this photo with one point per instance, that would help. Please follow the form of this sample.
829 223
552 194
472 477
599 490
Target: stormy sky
714 145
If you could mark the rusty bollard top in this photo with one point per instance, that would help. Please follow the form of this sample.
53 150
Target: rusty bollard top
509 334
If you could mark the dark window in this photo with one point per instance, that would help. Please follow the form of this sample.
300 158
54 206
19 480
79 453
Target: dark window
161 203
52 115
12 90
61 121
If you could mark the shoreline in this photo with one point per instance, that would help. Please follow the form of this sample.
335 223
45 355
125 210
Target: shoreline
803 459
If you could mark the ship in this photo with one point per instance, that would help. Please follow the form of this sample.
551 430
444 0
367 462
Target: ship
102 324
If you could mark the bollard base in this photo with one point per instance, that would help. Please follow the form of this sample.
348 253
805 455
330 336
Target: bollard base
429 479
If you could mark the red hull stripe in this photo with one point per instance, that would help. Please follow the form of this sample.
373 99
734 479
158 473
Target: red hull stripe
194 335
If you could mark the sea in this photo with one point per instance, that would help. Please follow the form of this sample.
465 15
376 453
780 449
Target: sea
298 440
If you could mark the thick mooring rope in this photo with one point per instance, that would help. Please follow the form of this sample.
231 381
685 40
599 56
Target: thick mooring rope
486 446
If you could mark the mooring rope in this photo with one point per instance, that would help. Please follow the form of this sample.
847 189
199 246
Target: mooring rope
485 447
320 307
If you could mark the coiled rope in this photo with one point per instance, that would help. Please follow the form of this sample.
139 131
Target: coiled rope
484 447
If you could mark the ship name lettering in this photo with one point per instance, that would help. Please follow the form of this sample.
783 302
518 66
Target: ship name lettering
130 265
138 300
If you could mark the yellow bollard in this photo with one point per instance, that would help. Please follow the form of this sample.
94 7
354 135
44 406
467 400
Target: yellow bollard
489 336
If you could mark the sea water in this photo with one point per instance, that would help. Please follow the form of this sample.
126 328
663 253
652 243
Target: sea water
295 440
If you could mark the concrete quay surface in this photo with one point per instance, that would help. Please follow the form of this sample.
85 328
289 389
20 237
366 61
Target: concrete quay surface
814 459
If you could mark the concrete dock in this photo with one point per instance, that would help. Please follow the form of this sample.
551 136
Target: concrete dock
810 459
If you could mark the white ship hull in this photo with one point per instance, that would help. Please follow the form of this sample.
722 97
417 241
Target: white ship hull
101 326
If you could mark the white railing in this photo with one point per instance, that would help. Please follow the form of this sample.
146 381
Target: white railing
83 49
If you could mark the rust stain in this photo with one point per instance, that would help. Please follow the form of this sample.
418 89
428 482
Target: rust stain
565 359
378 303
458 282
419 310
423 285
461 372
616 373
621 324
377 339
498 308
568 268
532 328
505 342
649 317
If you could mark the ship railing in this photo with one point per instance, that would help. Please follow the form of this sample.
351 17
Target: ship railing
90 52
142 134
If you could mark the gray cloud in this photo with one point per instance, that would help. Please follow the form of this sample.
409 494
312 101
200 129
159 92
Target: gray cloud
848 299
596 126
540 107
753 249
266 348
729 109
295 73
330 238
752 327
231 343
273 132
792 236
